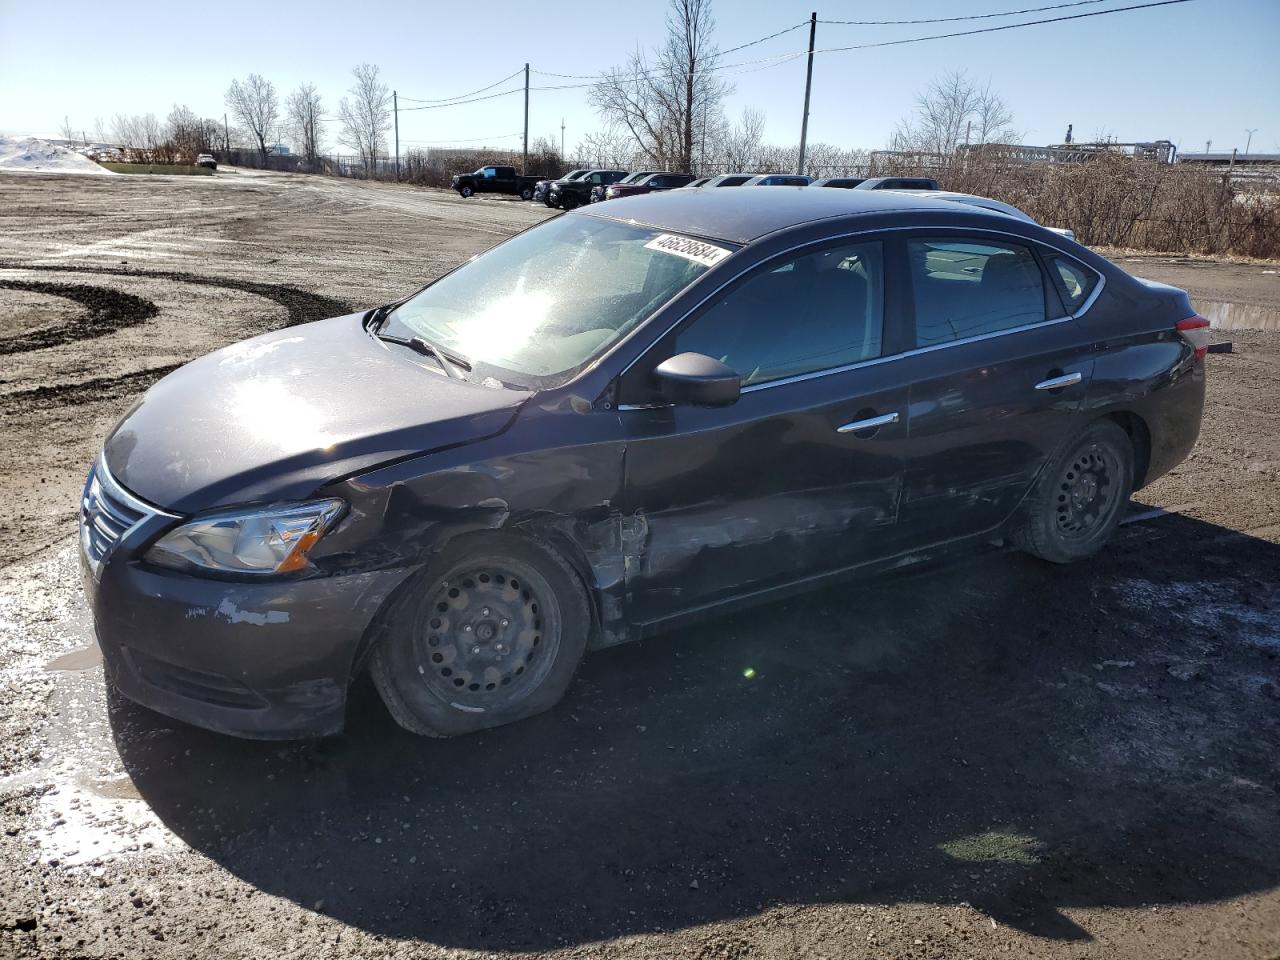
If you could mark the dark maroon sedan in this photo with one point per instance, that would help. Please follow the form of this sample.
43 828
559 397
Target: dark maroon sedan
650 184
622 420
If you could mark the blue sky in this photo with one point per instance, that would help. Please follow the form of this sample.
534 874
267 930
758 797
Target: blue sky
1203 70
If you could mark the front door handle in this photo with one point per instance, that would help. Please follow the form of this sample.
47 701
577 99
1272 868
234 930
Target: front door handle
871 423
1057 383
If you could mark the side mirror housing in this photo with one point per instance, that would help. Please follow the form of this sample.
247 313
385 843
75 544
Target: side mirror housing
696 380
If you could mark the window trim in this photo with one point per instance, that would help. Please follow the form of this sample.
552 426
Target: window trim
870 233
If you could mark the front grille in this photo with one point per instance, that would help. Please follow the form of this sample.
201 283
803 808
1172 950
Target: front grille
107 513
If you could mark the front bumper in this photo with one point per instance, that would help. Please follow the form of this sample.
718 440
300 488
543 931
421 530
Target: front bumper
267 660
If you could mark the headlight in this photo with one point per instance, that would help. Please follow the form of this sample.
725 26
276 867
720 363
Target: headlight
257 542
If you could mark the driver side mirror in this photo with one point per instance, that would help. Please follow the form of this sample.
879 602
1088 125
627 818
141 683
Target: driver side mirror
696 380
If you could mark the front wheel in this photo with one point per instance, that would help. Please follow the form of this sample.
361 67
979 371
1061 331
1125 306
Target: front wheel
568 201
492 633
1079 499
466 192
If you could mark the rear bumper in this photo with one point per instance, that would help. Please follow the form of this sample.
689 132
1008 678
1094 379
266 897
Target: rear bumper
259 660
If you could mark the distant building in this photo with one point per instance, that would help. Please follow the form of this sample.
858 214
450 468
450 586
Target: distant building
278 150
1222 158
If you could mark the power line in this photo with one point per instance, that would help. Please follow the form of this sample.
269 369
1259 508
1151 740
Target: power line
462 96
458 103
976 16
1007 26
496 136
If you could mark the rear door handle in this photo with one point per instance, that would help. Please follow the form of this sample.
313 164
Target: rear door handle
871 423
1057 383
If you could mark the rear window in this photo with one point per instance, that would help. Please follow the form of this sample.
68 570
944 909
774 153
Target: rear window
967 289
1074 280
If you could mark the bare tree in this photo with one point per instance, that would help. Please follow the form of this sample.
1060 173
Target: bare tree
255 104
303 110
739 146
992 119
668 104
951 111
366 117
610 147
67 130
187 133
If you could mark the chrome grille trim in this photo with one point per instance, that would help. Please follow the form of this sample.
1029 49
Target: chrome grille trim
108 514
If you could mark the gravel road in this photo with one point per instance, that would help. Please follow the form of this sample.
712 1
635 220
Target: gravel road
993 758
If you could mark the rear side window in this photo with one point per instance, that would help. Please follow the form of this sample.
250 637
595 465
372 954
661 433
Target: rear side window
966 289
809 313
1074 281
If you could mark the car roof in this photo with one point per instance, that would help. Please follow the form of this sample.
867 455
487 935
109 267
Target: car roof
973 200
740 216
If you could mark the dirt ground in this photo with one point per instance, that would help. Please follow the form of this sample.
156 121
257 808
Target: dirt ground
995 758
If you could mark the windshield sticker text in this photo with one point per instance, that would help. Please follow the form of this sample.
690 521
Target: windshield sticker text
704 253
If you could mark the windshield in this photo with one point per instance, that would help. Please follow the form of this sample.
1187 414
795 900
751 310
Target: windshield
542 305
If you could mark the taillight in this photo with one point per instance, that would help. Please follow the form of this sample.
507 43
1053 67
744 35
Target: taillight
1195 330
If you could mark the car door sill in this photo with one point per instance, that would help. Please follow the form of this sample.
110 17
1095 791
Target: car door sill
905 559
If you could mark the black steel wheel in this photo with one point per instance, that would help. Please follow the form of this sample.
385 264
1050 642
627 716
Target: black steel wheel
526 193
1080 497
493 633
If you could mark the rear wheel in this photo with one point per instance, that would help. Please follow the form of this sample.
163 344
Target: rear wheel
1080 497
526 193
491 634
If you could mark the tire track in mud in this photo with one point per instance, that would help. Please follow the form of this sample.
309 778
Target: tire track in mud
107 311
52 396
111 310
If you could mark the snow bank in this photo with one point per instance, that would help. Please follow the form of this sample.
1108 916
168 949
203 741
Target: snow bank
33 155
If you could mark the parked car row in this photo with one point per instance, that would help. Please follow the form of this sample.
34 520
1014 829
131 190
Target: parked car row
581 186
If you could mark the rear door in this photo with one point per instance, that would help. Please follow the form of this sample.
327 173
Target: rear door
803 474
999 378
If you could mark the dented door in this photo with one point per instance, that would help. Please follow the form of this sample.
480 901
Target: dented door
733 501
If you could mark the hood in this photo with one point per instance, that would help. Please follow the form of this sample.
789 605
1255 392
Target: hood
275 417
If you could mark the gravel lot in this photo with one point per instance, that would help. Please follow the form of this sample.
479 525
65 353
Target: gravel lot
994 758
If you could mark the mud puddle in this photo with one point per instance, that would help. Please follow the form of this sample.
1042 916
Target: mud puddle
1239 316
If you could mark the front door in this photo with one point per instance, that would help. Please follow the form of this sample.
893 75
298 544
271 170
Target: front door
803 474
999 382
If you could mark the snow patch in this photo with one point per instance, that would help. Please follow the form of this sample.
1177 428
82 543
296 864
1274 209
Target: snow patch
33 155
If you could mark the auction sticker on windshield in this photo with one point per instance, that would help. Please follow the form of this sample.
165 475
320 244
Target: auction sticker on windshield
707 254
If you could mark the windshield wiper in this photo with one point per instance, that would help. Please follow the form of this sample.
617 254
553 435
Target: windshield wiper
450 363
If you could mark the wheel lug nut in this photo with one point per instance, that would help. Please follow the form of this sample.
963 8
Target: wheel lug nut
467 628
475 651
484 612
506 623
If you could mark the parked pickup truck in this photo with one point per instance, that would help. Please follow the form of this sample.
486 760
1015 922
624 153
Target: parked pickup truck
495 180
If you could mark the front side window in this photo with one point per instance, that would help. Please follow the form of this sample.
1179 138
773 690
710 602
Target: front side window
540 306
967 289
810 313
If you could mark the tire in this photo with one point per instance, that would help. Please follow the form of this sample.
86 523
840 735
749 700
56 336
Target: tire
491 633
526 193
568 201
466 192
1080 497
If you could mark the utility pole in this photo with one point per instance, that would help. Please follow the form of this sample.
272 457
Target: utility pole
395 109
1249 142
525 166
808 84
226 135
562 139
